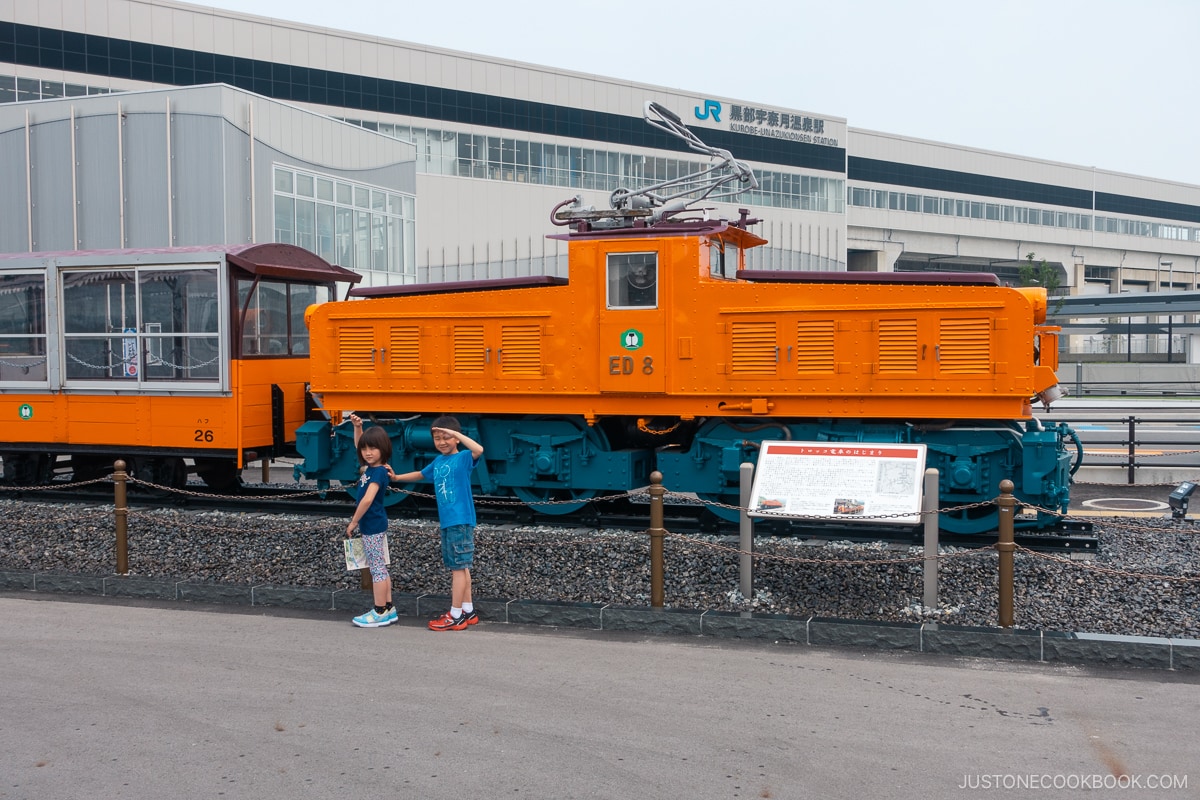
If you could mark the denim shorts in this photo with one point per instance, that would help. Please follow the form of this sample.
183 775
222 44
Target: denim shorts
458 546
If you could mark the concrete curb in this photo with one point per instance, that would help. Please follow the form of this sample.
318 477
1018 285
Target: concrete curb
1054 647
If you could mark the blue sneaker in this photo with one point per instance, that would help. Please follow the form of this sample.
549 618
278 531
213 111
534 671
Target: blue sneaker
372 619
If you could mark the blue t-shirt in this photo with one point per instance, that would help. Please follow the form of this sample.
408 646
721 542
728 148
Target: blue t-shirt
375 519
451 476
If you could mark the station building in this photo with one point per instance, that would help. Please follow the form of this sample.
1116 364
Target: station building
496 144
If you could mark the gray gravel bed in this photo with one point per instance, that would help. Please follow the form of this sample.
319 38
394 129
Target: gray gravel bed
1127 589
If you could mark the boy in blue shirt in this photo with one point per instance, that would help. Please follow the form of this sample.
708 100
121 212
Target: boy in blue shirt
451 476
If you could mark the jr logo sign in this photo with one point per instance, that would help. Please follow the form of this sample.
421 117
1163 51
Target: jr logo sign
712 109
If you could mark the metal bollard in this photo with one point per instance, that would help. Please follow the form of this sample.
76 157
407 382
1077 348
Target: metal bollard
746 533
929 507
656 539
122 516
1005 546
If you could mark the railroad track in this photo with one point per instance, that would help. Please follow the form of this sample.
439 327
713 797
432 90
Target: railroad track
618 513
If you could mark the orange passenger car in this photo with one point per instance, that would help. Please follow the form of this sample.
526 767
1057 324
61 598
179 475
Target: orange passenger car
174 359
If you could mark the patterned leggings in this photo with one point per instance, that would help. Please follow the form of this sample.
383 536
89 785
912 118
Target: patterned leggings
375 547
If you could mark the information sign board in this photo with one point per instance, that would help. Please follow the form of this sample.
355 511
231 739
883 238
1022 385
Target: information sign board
877 483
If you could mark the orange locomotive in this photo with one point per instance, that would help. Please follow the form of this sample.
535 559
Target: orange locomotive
155 356
663 352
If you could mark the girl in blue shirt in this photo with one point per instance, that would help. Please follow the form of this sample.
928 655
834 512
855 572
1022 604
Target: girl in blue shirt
370 518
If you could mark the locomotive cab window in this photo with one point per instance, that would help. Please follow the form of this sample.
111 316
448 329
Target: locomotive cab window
633 280
722 258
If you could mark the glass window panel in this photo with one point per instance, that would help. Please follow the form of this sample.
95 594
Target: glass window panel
265 324
52 89
345 238
306 225
362 197
344 194
179 321
22 328
395 242
302 296
283 180
285 219
304 184
378 201
632 280
362 240
410 247
379 242
325 233
325 189
28 89
103 302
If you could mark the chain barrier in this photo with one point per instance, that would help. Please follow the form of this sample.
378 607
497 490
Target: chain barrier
1140 454
1109 570
210 525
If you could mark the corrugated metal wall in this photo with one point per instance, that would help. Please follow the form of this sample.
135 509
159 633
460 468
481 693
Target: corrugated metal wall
170 168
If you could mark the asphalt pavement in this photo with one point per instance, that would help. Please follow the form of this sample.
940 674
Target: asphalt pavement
143 700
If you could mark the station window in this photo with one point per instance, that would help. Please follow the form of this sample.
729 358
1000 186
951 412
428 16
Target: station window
23 328
141 326
632 280
352 225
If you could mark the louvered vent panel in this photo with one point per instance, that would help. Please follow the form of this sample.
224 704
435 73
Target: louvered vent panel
404 352
898 345
753 348
522 350
965 347
814 346
356 349
468 350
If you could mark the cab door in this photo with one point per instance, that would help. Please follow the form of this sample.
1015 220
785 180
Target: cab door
632 330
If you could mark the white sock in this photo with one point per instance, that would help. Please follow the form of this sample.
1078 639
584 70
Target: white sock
468 608
456 612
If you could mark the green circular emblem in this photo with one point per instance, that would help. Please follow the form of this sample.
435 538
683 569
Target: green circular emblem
632 339
25 411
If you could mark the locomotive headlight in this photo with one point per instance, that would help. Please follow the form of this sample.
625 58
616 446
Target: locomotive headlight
1048 396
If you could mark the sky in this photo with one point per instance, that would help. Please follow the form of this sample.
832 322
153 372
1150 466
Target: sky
1097 83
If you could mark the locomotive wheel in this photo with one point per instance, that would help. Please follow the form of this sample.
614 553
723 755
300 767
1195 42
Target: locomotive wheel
169 473
565 501
971 520
221 475
558 501
727 514
90 468
28 469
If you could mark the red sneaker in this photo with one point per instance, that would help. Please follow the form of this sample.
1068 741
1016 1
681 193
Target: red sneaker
472 617
448 623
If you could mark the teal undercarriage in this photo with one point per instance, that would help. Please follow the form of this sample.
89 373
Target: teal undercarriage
555 465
